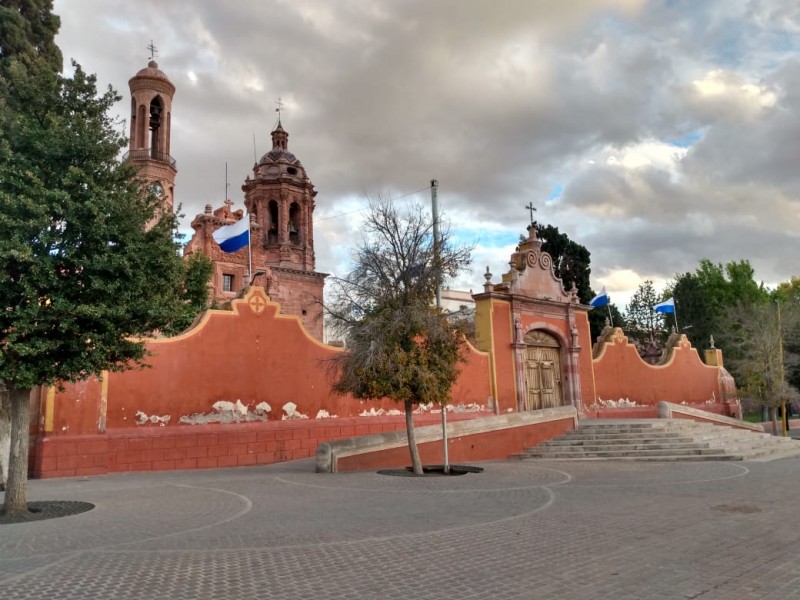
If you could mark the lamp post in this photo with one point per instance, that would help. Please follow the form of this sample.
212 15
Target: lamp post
435 211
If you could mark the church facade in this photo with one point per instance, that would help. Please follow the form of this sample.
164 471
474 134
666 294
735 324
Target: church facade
279 198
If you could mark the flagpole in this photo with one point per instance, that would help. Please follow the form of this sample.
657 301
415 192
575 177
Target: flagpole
610 316
249 253
675 315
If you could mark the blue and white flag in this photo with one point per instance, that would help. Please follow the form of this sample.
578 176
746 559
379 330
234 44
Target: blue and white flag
600 300
667 306
235 236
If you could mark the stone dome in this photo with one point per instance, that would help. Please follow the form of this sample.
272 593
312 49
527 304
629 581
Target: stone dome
152 70
151 77
279 163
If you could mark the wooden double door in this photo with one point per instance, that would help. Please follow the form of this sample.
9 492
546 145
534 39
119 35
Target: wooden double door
542 370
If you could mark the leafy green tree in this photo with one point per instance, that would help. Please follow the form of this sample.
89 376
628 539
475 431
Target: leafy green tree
702 298
27 34
642 323
788 294
571 261
399 346
196 274
81 275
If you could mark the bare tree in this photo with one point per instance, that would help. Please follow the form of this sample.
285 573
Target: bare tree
757 334
399 346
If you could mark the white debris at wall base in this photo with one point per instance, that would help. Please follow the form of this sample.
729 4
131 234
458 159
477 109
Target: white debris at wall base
224 405
142 419
436 409
225 411
621 403
324 414
433 409
372 412
290 412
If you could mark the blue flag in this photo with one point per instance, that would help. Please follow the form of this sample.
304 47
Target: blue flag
600 300
235 236
667 306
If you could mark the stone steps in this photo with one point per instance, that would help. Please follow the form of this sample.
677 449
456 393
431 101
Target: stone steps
662 439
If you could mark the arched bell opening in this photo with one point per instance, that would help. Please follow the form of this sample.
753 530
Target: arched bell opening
294 223
272 222
141 123
156 121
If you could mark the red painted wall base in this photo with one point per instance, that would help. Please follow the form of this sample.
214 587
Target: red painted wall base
206 447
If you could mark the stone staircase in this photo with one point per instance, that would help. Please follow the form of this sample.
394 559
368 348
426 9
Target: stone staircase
661 439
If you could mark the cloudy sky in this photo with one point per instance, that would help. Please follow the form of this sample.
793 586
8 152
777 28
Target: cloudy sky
656 133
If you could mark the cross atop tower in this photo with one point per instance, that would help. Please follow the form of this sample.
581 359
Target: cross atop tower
279 108
153 50
532 209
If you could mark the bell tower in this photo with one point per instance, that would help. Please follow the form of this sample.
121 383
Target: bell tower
281 198
151 121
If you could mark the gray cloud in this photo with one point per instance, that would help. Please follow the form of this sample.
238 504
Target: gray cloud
501 102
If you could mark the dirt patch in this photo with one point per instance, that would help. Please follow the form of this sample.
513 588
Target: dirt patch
48 509
432 471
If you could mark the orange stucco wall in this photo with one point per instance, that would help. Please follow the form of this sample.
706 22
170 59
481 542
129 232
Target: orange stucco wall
249 359
619 373
251 354
586 367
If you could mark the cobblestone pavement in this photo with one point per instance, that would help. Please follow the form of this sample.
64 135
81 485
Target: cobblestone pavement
522 530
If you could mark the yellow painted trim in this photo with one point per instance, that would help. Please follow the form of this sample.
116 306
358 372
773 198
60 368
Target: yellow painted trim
484 331
511 333
103 409
495 396
591 358
49 409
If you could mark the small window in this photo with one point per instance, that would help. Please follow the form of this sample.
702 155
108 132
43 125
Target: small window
291 171
227 283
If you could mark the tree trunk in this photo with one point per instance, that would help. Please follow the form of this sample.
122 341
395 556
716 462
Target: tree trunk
16 501
5 434
773 415
416 464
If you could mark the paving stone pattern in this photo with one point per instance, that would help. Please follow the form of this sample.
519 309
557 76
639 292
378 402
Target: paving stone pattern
519 530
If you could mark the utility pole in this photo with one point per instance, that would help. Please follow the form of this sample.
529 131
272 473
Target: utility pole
435 211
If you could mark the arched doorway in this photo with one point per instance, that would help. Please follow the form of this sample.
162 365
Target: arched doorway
542 371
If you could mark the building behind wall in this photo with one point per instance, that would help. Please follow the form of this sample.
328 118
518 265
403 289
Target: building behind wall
279 199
